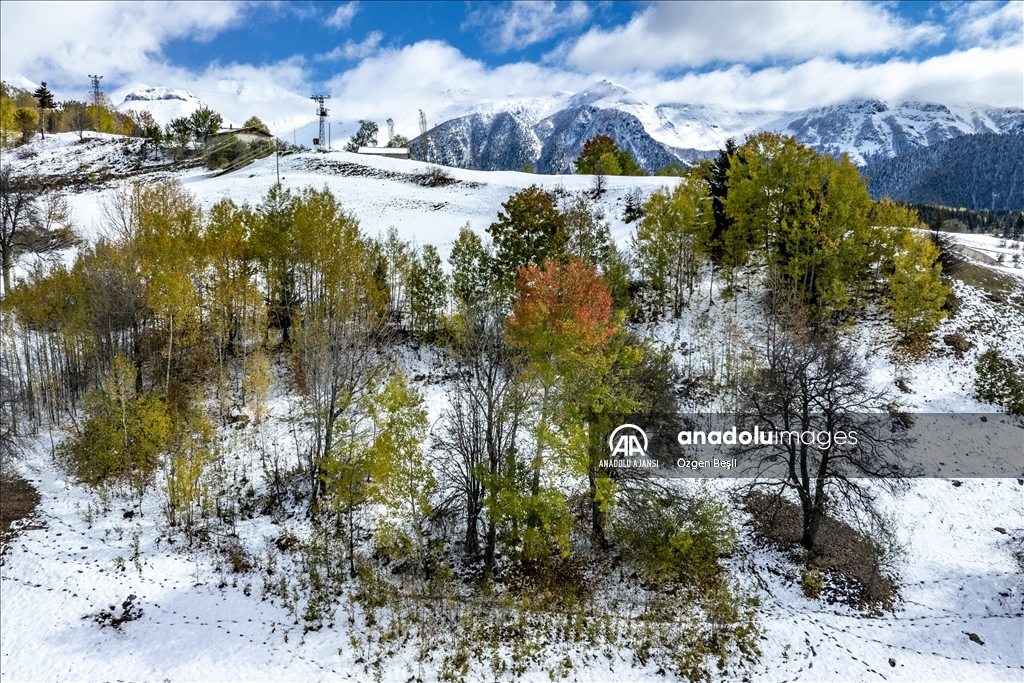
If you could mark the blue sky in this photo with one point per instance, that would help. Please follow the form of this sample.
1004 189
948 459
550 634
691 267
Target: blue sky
374 58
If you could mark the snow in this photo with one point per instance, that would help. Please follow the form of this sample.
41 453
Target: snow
958 575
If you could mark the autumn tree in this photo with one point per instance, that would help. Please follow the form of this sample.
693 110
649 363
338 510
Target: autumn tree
670 240
530 230
916 292
601 154
76 117
807 215
27 121
403 482
428 290
470 261
562 322
340 325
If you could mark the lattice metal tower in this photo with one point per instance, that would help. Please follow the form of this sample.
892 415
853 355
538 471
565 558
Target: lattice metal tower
96 94
321 111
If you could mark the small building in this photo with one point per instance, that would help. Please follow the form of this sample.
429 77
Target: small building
393 152
247 135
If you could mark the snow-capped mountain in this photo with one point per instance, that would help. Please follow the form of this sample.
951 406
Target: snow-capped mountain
548 133
164 104
869 130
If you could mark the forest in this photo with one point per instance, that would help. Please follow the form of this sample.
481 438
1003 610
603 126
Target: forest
492 536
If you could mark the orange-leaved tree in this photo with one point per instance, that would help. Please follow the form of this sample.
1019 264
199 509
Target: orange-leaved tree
562 322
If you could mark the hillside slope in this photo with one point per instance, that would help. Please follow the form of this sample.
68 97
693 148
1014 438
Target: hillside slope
973 171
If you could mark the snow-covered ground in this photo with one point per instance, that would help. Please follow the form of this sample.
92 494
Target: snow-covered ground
77 556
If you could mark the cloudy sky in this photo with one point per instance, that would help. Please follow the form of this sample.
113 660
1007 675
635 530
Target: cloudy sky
380 59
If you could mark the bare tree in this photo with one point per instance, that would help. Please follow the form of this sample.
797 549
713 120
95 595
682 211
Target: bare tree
811 383
31 220
478 436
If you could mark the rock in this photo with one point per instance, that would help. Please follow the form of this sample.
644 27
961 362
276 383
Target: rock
975 639
1000 529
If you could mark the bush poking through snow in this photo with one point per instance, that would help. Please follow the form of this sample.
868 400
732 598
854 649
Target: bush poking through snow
435 176
999 381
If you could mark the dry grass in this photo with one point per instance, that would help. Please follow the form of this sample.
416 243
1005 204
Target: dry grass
849 560
18 499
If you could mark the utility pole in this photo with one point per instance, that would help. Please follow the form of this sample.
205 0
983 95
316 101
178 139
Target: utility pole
321 111
424 141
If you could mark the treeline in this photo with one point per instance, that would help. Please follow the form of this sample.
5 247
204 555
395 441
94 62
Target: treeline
1009 224
23 115
972 171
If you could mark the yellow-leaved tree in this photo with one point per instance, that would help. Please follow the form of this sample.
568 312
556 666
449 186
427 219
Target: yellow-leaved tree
916 291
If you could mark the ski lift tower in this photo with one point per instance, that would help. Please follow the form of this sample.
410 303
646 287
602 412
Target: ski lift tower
321 142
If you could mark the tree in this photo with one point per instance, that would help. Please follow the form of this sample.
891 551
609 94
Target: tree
808 217
403 483
77 117
809 382
669 240
179 132
601 155
470 262
366 136
255 122
428 290
145 126
562 321
31 221
530 230
588 235
203 123
399 141
46 103
916 291
479 429
27 121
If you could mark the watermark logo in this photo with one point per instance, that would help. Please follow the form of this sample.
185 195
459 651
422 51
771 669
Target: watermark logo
625 442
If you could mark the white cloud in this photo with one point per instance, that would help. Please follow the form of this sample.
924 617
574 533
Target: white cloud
342 17
990 76
438 78
354 51
692 34
987 24
118 40
520 24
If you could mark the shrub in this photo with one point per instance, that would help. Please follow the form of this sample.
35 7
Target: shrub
999 381
123 432
677 539
435 176
811 583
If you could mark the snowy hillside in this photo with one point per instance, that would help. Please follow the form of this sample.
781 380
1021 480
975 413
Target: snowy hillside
100 587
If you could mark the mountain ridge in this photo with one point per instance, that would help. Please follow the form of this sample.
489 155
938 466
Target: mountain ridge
548 133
